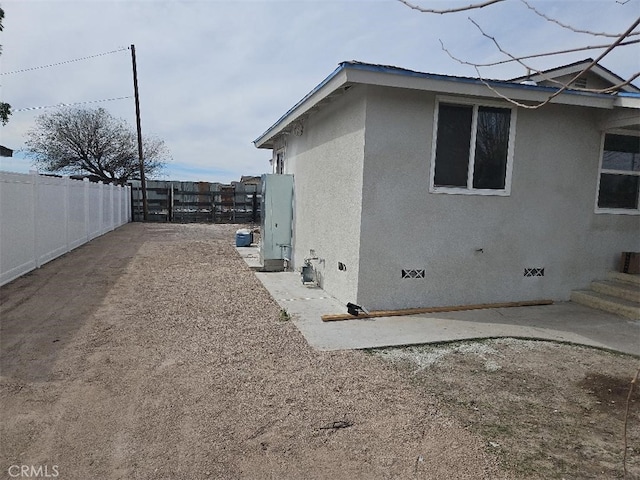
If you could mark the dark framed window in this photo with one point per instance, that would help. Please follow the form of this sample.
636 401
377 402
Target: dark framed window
280 161
473 148
619 182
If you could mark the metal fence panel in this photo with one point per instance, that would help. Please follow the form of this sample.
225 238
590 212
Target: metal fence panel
187 202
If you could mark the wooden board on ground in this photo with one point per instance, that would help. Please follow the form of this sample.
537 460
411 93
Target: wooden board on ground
417 311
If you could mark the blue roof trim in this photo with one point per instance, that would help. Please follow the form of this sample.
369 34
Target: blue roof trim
304 99
629 94
469 80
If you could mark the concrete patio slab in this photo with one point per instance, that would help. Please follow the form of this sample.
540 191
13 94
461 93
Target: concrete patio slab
251 256
561 322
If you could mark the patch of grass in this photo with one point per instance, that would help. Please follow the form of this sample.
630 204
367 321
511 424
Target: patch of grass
284 315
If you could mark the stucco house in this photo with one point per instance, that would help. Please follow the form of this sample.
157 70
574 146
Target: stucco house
414 189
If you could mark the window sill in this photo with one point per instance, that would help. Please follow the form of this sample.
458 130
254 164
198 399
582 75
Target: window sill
466 191
616 211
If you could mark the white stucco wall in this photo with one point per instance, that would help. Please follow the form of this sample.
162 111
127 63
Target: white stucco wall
474 249
326 160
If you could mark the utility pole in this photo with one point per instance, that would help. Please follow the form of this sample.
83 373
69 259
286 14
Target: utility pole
143 182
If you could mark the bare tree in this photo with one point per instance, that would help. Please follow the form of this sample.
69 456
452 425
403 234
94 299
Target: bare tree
607 42
5 108
92 141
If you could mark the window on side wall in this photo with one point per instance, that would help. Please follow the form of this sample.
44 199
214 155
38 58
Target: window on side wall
619 182
473 148
279 161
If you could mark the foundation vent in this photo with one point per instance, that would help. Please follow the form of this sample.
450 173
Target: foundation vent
534 272
413 273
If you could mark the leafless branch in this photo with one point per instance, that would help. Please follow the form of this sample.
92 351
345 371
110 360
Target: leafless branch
472 6
620 40
595 62
500 49
566 85
618 86
337 425
511 57
569 27
537 55
508 99
558 92
611 89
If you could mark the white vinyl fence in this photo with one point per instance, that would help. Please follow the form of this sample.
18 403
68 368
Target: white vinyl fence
44 217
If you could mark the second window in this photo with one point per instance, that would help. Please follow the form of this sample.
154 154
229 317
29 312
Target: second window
473 149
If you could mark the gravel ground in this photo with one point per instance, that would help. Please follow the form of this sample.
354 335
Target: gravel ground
154 352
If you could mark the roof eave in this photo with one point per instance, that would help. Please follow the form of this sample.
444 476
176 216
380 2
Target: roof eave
627 100
478 88
356 73
577 67
333 82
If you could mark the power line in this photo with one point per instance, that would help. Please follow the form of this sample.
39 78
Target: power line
69 104
65 62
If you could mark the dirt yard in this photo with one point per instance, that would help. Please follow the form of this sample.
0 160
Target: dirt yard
155 353
547 410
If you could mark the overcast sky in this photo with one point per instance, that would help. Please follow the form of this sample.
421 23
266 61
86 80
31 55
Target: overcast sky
214 75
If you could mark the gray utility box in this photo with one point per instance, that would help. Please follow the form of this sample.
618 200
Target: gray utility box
277 221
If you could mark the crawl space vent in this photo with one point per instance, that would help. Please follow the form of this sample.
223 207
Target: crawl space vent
413 273
534 272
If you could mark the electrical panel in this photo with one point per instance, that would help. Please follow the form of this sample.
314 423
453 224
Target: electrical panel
277 221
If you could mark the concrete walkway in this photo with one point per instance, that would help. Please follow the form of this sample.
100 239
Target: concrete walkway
563 322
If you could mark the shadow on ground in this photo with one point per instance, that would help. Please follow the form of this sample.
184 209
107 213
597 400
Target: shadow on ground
42 310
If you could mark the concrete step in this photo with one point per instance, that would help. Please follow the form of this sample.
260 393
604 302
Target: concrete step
627 291
607 303
633 279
